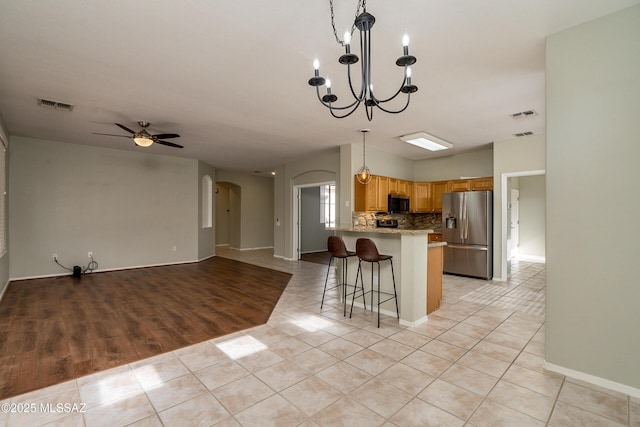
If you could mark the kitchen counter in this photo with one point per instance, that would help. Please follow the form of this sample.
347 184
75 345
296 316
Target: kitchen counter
382 230
410 261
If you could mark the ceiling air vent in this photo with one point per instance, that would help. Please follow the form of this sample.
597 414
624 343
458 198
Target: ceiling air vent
521 134
56 105
523 114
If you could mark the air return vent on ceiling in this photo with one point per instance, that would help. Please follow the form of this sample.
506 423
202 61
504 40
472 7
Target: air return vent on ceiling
56 105
523 114
521 134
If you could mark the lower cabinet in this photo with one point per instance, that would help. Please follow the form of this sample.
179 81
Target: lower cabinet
434 278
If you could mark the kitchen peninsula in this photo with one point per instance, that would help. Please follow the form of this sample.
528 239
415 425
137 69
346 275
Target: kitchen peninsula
409 249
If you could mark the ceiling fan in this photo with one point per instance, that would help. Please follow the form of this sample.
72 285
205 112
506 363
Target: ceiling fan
143 138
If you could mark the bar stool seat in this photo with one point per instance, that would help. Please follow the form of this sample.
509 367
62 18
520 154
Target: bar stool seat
337 249
367 251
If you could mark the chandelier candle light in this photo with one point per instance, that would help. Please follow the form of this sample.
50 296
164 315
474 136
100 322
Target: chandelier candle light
364 22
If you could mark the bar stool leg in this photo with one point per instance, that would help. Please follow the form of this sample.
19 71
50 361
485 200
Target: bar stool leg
395 294
355 288
378 289
325 282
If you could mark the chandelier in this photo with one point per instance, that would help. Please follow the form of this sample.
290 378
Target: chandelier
363 22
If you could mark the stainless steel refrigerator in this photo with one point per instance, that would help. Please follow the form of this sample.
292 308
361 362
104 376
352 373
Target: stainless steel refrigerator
467 227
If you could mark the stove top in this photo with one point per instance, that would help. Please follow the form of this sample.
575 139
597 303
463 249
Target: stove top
387 223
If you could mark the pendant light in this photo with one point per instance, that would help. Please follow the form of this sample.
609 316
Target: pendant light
364 174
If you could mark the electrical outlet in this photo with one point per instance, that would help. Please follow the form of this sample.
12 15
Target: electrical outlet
90 254
55 257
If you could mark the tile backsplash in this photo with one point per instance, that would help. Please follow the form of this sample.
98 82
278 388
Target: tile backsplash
409 221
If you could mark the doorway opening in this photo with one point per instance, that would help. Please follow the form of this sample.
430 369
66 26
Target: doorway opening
314 209
228 214
523 218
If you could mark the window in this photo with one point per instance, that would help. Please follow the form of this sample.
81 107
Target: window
207 202
328 205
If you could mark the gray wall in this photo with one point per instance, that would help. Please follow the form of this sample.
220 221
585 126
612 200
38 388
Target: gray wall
251 206
129 208
313 235
593 93
532 216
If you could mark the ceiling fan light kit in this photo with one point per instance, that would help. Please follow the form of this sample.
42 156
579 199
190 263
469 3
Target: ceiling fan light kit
142 138
364 22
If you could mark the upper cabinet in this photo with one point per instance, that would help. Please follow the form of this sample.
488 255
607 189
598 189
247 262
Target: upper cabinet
460 185
437 189
421 197
371 197
425 196
481 184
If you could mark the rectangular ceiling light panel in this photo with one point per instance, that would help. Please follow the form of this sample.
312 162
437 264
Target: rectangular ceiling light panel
426 141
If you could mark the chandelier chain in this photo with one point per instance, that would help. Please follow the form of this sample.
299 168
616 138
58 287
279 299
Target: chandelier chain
362 4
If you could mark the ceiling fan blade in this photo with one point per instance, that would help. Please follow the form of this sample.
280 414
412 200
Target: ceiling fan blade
166 135
123 127
169 144
110 134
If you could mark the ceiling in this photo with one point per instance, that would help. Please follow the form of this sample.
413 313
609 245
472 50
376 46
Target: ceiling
231 76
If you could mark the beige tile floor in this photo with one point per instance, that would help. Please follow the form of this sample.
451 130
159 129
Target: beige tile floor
476 362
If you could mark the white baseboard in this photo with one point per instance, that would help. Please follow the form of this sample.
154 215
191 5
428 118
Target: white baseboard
255 249
531 258
592 379
414 323
104 270
6 285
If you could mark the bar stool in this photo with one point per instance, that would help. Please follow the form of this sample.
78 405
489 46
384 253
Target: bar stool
337 249
367 251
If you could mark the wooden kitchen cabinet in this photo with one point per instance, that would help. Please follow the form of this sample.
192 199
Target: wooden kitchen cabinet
371 197
482 184
434 237
459 185
402 187
434 278
438 188
421 200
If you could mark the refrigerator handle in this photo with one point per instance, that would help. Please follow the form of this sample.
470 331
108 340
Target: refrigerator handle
465 226
461 213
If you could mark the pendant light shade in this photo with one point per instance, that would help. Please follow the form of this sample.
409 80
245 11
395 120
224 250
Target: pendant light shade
364 174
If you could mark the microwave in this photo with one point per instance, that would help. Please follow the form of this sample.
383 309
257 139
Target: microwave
397 204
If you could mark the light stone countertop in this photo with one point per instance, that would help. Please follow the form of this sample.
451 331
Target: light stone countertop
436 244
382 230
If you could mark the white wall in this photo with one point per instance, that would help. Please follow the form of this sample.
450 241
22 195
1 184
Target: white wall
471 164
514 157
256 208
128 208
593 148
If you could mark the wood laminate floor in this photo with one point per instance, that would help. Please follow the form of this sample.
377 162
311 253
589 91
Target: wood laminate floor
56 329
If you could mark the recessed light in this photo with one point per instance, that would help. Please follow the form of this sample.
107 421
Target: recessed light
426 141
